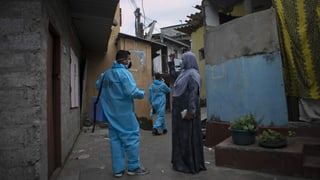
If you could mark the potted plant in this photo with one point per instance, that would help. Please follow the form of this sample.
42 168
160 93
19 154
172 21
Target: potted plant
272 139
243 130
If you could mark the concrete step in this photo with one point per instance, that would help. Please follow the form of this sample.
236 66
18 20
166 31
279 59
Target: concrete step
312 149
311 167
289 160
311 163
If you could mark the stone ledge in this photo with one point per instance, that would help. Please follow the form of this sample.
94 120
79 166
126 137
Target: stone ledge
285 161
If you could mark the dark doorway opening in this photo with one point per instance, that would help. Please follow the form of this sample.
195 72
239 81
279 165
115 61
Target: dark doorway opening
53 103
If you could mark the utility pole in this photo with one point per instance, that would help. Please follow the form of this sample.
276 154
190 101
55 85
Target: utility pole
138 24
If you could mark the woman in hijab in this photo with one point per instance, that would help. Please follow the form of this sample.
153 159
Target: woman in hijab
187 145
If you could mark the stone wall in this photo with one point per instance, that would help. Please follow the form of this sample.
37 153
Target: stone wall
23 87
21 84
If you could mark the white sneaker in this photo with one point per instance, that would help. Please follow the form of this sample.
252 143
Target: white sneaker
120 174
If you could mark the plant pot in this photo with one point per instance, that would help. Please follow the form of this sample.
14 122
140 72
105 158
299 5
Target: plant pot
270 144
242 137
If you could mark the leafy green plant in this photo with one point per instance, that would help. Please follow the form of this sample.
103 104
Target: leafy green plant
291 133
271 136
246 122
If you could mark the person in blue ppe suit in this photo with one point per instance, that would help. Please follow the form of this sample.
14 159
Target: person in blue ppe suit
117 96
157 98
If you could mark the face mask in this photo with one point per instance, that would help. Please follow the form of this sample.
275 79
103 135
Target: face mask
128 66
181 64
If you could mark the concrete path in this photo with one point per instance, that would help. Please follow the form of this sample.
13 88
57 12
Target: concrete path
90 160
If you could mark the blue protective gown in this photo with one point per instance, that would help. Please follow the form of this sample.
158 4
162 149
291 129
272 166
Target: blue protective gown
157 98
117 99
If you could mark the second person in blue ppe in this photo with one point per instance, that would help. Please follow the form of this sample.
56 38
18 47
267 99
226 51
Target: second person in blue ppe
117 96
157 98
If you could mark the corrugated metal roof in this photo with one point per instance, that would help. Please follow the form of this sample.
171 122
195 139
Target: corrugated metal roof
195 21
93 20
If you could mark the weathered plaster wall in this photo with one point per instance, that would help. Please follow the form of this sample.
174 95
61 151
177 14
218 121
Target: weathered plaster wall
252 84
98 64
197 39
244 70
251 34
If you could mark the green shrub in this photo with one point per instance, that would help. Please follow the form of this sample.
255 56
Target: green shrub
247 122
271 136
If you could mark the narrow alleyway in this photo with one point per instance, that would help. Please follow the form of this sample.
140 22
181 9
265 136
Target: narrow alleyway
90 160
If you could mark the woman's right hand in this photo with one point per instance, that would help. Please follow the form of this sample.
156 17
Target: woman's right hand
189 116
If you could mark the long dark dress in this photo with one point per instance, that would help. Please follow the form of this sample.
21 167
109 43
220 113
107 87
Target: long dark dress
187 145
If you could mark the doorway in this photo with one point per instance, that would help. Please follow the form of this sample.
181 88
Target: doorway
53 103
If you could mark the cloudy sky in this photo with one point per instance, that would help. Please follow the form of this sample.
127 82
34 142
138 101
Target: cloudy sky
165 12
